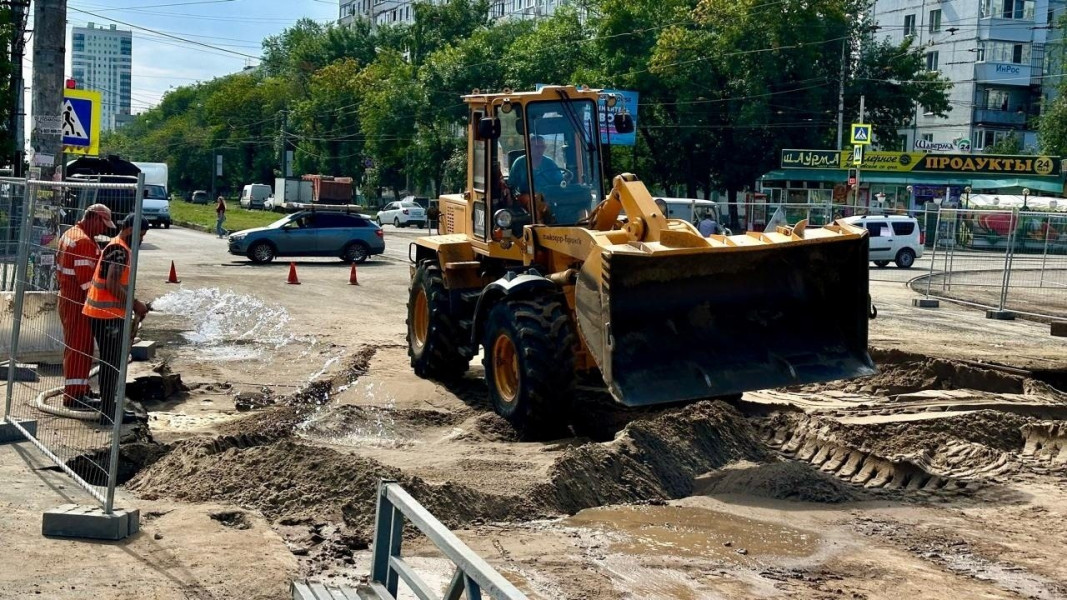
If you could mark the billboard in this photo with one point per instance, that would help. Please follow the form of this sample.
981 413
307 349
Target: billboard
626 100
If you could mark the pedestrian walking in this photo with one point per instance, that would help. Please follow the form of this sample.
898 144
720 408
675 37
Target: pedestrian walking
105 306
220 215
76 262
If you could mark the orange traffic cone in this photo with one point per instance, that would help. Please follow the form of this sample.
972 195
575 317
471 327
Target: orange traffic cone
173 274
352 278
292 274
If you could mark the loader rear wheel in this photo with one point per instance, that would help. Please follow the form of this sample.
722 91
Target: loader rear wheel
433 336
529 364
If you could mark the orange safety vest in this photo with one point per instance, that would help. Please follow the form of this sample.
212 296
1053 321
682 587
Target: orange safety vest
100 303
78 255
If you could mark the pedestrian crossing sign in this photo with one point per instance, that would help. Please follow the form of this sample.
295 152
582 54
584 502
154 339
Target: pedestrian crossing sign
80 119
861 133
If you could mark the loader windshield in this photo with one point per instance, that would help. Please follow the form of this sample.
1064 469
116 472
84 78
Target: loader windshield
561 171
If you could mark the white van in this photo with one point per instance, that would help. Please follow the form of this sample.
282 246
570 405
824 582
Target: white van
156 204
254 195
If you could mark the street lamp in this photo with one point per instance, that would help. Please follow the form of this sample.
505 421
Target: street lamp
967 197
1026 194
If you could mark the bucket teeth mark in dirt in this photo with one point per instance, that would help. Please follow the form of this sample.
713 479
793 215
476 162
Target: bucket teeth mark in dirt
809 439
1046 443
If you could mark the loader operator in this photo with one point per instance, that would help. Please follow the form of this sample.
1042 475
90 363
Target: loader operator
546 173
78 254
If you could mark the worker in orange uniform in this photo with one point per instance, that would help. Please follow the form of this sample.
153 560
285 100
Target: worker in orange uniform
78 255
105 305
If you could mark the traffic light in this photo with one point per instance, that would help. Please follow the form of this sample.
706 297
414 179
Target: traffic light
853 175
71 84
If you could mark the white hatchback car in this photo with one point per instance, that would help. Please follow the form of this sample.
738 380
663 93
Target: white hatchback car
402 214
892 238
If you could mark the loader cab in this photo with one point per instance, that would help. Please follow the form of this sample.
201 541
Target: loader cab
537 157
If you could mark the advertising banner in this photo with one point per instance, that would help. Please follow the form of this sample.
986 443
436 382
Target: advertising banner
921 162
624 100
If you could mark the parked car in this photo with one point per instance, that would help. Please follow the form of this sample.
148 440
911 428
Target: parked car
254 195
351 237
200 197
892 238
402 214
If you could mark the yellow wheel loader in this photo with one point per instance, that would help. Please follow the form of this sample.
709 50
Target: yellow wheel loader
555 281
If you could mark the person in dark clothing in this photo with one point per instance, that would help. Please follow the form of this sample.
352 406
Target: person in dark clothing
105 306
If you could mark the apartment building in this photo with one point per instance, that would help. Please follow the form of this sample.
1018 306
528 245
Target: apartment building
102 60
401 12
1002 56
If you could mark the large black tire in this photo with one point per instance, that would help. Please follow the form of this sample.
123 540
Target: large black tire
396 222
433 338
261 252
533 386
881 263
905 258
166 225
355 252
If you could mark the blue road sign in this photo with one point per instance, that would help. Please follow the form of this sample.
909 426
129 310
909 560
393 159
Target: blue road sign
76 119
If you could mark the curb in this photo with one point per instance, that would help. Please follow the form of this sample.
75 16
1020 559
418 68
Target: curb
196 226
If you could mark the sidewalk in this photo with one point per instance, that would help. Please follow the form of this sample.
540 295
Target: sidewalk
960 332
180 552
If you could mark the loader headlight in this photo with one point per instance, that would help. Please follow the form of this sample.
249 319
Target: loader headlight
503 218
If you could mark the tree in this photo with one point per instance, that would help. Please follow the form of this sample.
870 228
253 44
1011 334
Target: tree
387 111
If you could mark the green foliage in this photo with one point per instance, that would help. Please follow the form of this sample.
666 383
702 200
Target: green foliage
7 30
724 84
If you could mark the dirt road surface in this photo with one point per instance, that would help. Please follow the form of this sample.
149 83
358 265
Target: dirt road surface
939 477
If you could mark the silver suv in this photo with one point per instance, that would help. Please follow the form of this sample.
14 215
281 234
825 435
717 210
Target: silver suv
893 238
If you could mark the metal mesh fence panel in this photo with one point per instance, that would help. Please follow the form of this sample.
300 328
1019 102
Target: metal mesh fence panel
70 317
1000 259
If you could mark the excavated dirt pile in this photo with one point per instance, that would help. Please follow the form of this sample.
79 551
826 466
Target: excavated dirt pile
902 373
290 481
655 459
785 480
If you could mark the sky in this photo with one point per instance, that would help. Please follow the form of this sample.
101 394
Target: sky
235 27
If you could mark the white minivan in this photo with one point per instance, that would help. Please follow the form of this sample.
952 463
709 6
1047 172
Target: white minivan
254 195
895 238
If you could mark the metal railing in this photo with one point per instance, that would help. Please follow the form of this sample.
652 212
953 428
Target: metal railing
1007 260
80 434
473 576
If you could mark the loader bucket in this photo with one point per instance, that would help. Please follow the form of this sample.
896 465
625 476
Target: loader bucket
669 327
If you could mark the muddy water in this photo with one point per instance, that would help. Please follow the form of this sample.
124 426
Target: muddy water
226 326
691 532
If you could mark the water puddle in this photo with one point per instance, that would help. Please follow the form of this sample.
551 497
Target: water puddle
227 326
686 531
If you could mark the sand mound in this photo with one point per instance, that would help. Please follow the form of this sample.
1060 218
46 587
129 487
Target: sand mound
787 480
901 373
653 459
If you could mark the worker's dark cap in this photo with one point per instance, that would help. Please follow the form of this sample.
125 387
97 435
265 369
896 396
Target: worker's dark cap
128 222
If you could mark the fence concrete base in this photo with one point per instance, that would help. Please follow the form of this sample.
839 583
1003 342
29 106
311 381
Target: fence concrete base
90 522
1000 315
23 371
925 302
1059 329
10 435
143 350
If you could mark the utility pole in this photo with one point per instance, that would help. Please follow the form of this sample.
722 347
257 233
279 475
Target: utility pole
857 202
49 54
841 98
18 45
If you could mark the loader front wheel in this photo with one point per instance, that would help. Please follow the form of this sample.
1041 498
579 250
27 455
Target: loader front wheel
529 364
433 336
